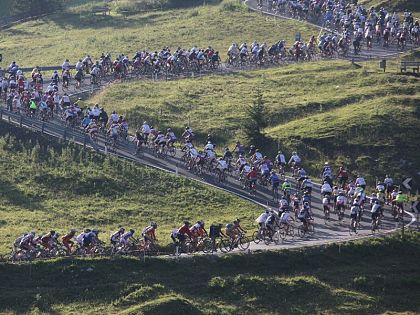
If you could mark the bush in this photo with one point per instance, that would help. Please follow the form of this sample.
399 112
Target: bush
32 8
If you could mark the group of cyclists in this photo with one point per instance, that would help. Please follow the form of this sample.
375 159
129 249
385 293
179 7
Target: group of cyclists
352 24
187 238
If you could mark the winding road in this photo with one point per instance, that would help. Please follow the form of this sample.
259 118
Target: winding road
325 232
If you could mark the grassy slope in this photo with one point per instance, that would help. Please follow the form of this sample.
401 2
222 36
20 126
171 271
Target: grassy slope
73 35
396 5
330 108
51 186
370 277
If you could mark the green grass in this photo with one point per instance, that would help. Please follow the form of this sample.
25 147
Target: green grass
45 185
73 35
367 277
395 5
327 110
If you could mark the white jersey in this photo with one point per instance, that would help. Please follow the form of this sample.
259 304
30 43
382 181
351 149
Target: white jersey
360 181
145 128
326 188
222 165
283 203
263 216
325 201
209 146
285 217
341 200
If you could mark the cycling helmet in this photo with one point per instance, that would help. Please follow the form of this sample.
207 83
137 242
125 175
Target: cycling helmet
132 231
186 222
52 232
95 231
73 231
122 230
154 224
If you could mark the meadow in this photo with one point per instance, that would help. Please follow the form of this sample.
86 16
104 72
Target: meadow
327 110
76 32
46 185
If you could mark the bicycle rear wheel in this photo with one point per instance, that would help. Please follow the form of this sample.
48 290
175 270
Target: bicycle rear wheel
224 246
243 243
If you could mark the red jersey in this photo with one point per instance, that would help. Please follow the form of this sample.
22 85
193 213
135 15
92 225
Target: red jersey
184 230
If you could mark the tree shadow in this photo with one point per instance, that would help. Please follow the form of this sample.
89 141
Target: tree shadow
13 195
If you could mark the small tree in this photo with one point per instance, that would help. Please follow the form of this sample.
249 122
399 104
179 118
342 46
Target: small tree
255 120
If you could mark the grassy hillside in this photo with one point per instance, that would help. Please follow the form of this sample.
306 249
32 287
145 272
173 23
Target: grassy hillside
395 5
371 277
45 185
73 35
328 110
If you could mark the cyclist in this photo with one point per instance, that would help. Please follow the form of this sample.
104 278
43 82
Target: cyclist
307 184
275 181
341 202
215 232
400 199
360 181
326 189
287 188
376 212
28 242
90 238
269 223
48 240
178 236
125 238
326 203
149 233
305 215
342 176
280 161
389 184
252 177
286 220
198 230
170 136
354 211
67 242
262 218
234 229
115 237
295 160
113 131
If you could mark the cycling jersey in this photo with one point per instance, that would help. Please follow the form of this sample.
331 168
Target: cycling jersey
263 216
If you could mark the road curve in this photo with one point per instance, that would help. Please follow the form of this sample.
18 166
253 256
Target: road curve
325 232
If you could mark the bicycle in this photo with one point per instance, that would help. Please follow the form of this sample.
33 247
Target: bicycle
284 231
304 230
353 226
227 245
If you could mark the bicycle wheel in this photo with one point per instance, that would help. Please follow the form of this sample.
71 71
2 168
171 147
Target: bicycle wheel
172 151
256 237
301 231
224 246
277 237
207 245
243 243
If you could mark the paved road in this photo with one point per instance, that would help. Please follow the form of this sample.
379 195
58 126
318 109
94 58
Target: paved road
325 232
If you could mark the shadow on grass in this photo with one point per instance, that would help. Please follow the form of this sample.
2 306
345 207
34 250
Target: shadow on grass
318 280
13 195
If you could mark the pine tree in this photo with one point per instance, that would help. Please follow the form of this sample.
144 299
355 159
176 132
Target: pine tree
255 120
